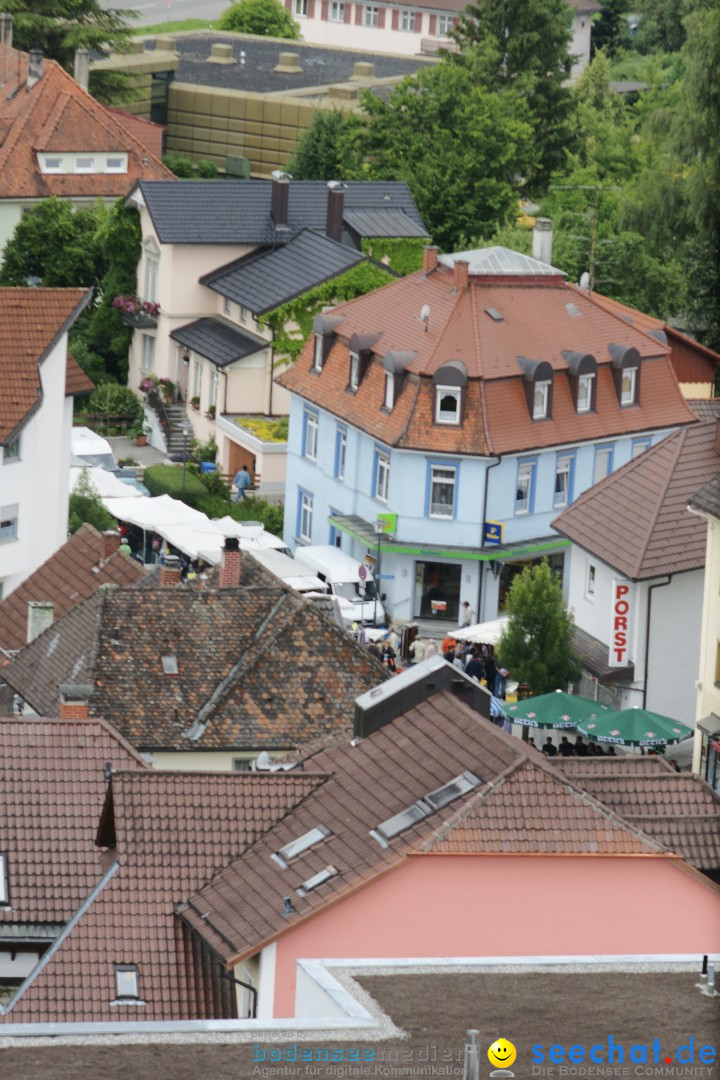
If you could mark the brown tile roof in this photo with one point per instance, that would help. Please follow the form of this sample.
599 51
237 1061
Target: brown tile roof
57 115
75 571
678 810
165 850
32 321
258 667
636 520
541 318
377 778
52 790
76 381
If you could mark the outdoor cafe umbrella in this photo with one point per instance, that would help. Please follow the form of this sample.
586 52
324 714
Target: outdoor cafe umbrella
554 710
635 727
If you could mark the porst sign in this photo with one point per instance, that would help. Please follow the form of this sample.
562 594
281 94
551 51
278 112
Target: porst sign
620 626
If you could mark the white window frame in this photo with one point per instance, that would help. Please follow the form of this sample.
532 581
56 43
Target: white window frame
407 21
121 991
147 358
437 481
152 269
639 446
311 435
442 392
382 475
628 396
444 25
318 353
602 453
354 370
301 9
585 393
306 516
389 391
197 377
227 306
341 452
85 164
563 468
52 164
244 312
541 399
525 475
337 11
120 167
590 580
371 15
4 893
214 380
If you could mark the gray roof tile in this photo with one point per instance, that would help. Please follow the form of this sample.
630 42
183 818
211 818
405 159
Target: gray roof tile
217 340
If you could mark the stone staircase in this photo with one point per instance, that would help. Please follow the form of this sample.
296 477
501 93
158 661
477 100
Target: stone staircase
176 414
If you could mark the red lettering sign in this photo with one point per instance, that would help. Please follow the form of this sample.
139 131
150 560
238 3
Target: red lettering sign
620 624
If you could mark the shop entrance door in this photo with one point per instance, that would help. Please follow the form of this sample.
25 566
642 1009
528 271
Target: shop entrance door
437 591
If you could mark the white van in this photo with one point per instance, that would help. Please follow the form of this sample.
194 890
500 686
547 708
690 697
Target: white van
89 448
347 579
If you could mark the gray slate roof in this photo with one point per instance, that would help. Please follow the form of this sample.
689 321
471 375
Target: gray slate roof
218 341
238 211
265 279
382 223
707 499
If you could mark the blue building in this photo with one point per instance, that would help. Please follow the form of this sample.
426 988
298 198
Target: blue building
442 422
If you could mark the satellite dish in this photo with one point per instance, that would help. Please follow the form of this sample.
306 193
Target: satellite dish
585 281
262 761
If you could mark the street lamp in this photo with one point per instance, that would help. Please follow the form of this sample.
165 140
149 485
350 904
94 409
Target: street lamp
186 429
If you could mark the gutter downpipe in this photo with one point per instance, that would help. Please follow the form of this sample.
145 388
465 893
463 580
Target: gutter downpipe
497 461
657 585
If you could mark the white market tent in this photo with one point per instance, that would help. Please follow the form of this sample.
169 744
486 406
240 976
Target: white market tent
107 485
487 633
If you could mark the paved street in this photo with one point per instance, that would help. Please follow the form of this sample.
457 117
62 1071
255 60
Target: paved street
158 11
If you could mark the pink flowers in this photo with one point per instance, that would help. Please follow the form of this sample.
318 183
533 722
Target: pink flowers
133 305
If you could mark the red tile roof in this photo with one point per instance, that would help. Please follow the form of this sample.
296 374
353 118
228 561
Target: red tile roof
76 381
31 322
636 520
75 571
56 115
52 790
541 318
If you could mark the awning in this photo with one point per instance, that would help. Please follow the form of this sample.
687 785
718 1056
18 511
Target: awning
363 531
710 725
487 633
218 341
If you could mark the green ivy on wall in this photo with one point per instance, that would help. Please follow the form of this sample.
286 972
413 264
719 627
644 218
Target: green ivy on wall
404 256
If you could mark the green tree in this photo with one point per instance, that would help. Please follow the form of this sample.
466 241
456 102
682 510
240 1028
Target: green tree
56 245
610 29
537 642
524 45
259 17
86 505
328 150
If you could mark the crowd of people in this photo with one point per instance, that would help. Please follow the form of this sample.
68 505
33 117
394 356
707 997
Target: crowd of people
579 748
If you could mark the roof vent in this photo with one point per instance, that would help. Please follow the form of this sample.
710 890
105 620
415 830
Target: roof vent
425 315
288 908
494 314
288 63
315 880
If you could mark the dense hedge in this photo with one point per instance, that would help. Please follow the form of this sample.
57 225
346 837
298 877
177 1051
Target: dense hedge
168 480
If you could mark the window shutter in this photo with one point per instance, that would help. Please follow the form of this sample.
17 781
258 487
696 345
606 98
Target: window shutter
381 17
358 14
325 10
433 25
347 11
288 5
418 22
395 19
311 9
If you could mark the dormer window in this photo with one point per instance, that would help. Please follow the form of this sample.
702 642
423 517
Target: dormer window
360 348
395 364
389 391
537 383
626 374
51 164
354 371
324 328
84 165
450 382
585 393
582 371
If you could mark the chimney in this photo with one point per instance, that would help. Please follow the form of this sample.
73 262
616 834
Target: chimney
82 68
111 540
170 571
40 615
75 701
335 207
6 29
542 239
430 259
231 567
35 67
461 270
279 200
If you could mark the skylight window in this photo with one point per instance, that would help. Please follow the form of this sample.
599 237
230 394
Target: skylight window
573 310
296 847
316 880
494 314
393 826
126 982
459 785
170 664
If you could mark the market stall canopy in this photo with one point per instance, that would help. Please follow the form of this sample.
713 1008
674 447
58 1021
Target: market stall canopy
555 710
487 633
635 727
106 483
252 534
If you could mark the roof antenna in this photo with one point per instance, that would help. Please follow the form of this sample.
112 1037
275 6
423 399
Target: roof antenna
425 315
288 908
107 771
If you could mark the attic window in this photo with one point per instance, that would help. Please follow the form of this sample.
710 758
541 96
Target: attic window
626 373
454 788
126 982
393 826
389 390
84 165
541 399
317 879
296 847
494 314
170 664
51 164
117 163
3 879
628 385
318 354
447 404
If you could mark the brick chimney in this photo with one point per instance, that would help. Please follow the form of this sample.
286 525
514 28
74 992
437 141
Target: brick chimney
335 207
170 571
75 701
111 541
231 566
279 200
430 258
40 615
461 274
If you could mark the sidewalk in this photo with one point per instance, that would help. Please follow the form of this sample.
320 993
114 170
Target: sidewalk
144 455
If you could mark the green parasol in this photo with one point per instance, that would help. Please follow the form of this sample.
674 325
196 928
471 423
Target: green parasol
555 710
635 727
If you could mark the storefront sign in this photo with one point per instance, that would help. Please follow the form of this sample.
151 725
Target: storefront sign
620 624
493 532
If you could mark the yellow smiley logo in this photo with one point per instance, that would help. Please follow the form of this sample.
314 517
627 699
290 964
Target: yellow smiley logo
501 1053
